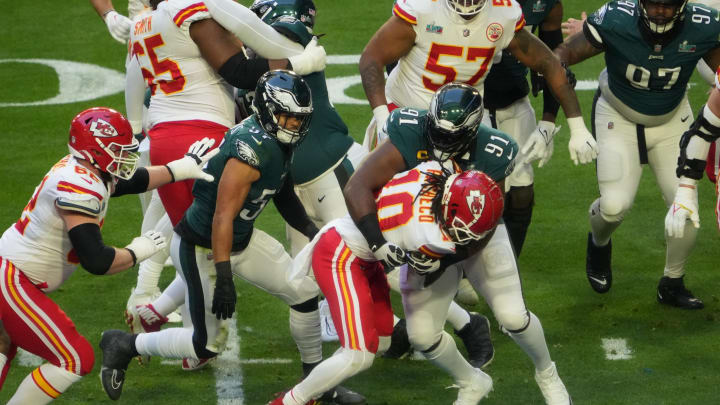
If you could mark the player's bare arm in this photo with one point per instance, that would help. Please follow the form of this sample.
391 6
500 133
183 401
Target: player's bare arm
553 21
233 188
102 7
391 42
576 49
533 53
377 169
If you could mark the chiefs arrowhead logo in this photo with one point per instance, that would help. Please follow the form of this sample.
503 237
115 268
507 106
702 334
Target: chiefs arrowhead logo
476 203
103 129
494 32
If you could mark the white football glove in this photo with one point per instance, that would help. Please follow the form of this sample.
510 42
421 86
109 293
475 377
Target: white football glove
391 255
422 263
381 114
118 25
312 59
540 143
146 245
582 146
190 166
684 207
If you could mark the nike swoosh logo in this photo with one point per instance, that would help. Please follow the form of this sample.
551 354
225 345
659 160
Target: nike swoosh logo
256 141
320 199
597 280
86 180
115 383
684 118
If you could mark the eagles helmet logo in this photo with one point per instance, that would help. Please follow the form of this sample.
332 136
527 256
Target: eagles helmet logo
287 100
246 153
103 129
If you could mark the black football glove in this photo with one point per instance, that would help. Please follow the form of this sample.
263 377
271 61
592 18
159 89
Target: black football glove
224 296
537 82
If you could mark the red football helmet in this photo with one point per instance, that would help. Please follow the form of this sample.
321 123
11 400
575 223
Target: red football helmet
472 205
103 137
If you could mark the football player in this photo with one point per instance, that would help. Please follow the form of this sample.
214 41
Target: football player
216 238
426 209
509 109
451 129
694 145
651 48
60 228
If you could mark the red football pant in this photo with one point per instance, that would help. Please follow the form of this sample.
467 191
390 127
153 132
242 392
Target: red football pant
170 141
37 324
357 293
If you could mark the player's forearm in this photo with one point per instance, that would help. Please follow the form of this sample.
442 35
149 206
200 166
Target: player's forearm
373 80
557 81
222 237
102 7
123 260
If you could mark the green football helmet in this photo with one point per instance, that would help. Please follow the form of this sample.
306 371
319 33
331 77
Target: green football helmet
453 118
283 92
269 10
659 24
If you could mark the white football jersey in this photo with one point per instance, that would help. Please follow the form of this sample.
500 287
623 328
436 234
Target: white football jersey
404 220
449 48
135 8
38 243
183 86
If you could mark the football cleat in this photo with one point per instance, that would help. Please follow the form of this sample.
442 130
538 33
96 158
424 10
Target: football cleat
142 299
672 291
341 396
466 294
327 327
597 265
476 338
475 390
144 319
400 346
279 400
118 348
190 364
552 387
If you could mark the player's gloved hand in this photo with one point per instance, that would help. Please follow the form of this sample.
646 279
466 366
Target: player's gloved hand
684 207
381 114
224 296
422 263
118 25
537 82
583 148
146 245
312 59
190 166
569 75
540 143
391 255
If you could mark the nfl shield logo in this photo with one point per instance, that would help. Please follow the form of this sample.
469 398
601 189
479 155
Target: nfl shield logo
466 32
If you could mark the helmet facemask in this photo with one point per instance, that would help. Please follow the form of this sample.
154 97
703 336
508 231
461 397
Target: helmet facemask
453 119
125 159
466 8
283 93
658 25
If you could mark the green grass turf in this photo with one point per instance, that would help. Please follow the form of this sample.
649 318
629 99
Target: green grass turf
675 352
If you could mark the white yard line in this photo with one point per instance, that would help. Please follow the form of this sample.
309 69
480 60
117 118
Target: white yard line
228 371
616 349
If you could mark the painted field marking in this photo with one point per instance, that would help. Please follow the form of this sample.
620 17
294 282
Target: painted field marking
616 349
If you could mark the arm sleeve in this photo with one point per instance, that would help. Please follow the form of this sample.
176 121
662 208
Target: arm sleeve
552 39
137 184
292 211
251 30
95 256
134 94
242 72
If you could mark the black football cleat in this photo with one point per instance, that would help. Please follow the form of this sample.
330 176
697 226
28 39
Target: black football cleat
476 338
118 349
400 346
672 291
342 396
597 265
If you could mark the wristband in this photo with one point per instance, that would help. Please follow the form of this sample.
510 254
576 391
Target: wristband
370 228
134 258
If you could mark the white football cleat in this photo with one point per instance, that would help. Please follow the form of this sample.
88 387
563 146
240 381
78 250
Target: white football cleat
552 387
475 390
327 327
144 319
466 294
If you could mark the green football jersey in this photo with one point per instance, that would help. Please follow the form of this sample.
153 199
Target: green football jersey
327 140
248 143
648 77
493 153
506 81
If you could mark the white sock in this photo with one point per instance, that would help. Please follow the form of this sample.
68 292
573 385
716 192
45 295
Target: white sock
532 341
171 343
150 269
305 330
343 364
43 385
447 357
172 297
602 230
3 360
457 316
678 251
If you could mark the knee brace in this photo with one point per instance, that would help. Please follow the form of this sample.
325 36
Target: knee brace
424 339
513 322
613 208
